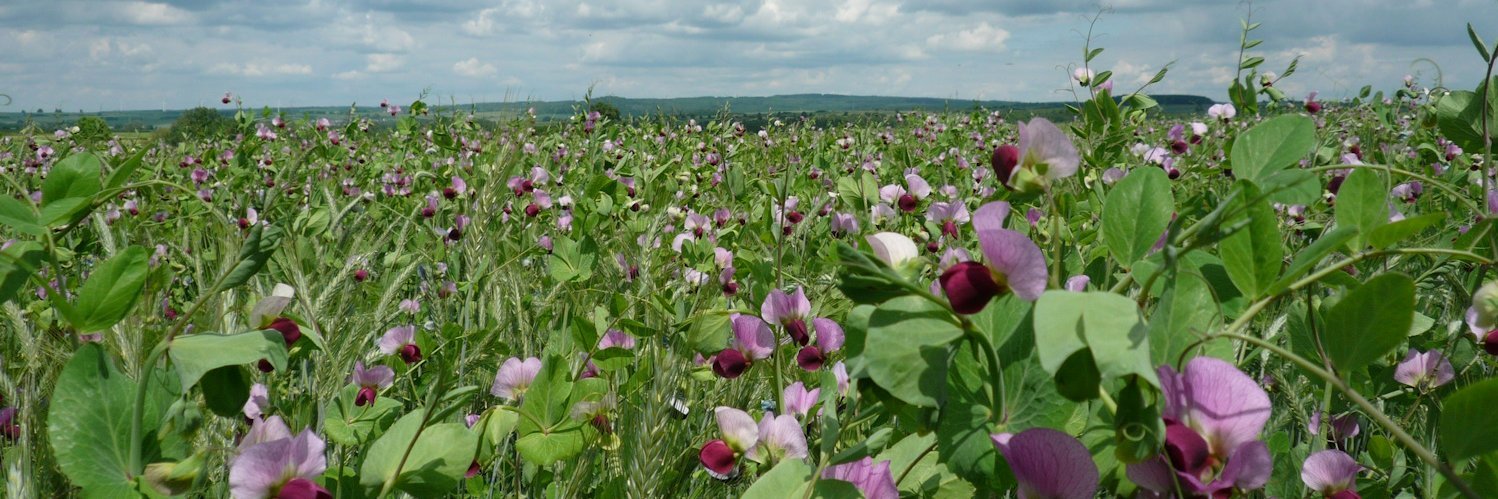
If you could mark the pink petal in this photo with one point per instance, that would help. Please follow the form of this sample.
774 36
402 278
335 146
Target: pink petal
830 336
753 337
1017 259
1329 471
738 429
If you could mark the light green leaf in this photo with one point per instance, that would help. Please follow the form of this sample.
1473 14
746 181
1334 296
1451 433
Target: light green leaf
1271 146
195 355
436 461
1254 254
907 347
1362 203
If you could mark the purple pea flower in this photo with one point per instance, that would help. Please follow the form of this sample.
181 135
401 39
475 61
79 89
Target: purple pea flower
514 377
874 480
1013 263
798 400
1048 464
615 338
401 341
1044 154
370 382
790 311
1332 473
752 340
1424 370
280 467
259 400
1213 415
830 338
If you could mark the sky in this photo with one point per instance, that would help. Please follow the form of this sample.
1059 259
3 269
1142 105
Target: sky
173 54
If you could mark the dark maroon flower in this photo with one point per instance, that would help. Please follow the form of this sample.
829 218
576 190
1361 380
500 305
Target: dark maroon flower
907 203
969 286
288 329
410 353
532 210
1179 147
473 470
730 363
265 366
1186 449
794 217
810 358
1313 107
361 275
797 329
717 457
8 427
1005 158
302 488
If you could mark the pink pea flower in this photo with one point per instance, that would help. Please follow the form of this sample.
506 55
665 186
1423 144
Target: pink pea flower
739 434
1078 283
514 377
1213 415
780 438
615 338
798 400
370 382
1342 427
949 215
1049 463
1312 106
1332 473
259 400
1424 370
1222 112
1044 154
790 311
845 223
874 480
8 427
401 341
752 340
830 338
282 467
1013 263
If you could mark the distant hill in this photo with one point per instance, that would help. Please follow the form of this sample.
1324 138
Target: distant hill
824 107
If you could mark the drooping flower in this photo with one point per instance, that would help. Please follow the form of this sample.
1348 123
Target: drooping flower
401 341
1012 263
1342 427
370 382
1312 106
270 307
949 215
752 340
874 480
1044 154
514 377
798 400
790 311
259 400
284 468
1048 464
1424 370
1078 283
739 434
1332 473
1213 415
615 338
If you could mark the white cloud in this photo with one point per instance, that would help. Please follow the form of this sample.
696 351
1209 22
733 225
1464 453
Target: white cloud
981 38
383 63
154 14
259 69
473 67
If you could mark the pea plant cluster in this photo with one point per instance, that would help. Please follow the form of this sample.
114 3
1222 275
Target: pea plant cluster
1273 298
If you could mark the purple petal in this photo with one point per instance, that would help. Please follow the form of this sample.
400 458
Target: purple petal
1154 475
991 216
1247 468
1226 406
1330 471
781 438
752 336
1049 463
873 479
830 336
1016 259
1043 141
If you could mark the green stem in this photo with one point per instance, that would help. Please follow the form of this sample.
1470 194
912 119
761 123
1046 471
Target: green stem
138 411
1378 416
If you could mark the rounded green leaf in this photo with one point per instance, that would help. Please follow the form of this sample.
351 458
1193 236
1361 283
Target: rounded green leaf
1136 213
1369 322
111 290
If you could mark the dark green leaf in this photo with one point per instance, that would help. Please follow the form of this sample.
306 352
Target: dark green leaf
1362 202
1467 428
111 290
1254 254
18 263
253 256
225 390
1136 212
1369 322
